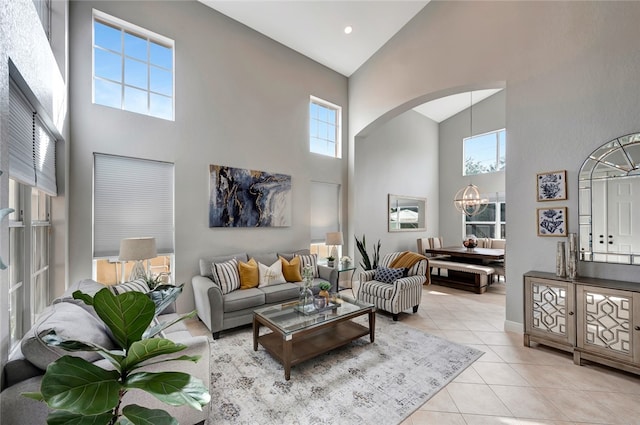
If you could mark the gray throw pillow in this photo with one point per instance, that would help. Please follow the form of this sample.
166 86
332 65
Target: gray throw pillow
70 322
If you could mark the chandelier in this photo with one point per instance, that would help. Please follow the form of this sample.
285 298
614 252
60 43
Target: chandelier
469 201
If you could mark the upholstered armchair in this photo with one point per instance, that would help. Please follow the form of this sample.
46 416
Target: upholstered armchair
399 289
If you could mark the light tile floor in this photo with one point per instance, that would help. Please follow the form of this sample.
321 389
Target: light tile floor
511 384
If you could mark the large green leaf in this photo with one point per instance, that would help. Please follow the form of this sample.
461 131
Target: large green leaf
174 388
148 349
155 330
35 396
62 417
127 315
74 384
139 415
79 295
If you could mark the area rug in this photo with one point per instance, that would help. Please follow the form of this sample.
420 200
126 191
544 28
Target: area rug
360 383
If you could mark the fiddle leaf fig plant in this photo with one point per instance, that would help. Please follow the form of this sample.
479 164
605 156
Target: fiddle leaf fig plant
83 393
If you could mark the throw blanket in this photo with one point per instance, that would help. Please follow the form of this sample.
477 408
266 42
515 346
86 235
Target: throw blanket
408 259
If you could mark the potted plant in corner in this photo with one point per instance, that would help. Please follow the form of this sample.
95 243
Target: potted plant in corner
80 392
367 263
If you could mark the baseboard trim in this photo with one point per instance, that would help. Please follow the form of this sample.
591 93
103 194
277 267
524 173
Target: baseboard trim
516 327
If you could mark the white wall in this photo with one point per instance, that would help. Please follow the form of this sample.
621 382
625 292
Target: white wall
401 158
571 76
43 69
488 115
241 100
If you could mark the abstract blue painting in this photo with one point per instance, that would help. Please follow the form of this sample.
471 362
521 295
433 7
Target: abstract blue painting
240 197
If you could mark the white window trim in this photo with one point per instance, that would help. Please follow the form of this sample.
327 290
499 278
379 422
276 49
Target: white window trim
143 33
497 223
338 109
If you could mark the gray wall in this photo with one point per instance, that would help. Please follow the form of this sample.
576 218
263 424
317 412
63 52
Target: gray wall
401 158
570 70
241 100
42 67
488 115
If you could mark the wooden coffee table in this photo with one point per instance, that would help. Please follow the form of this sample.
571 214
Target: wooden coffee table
296 337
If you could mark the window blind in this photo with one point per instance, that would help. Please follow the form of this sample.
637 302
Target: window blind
21 165
132 197
325 210
44 150
32 147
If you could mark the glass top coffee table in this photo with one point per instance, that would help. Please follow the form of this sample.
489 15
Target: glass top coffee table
296 337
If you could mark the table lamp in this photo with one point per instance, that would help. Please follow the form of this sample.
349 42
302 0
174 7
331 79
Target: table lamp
137 249
333 239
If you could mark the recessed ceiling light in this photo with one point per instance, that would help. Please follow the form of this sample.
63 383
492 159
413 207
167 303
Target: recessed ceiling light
348 29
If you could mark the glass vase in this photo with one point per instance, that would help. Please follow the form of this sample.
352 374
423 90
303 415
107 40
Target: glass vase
561 265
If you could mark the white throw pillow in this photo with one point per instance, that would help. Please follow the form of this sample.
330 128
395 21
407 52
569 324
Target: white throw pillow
271 275
227 275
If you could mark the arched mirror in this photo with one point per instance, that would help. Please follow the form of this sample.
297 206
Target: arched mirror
609 202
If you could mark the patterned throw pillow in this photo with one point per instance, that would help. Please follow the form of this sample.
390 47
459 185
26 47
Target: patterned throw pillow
309 260
271 275
227 275
386 275
139 285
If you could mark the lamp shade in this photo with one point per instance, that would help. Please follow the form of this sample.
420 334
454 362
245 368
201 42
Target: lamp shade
134 249
334 238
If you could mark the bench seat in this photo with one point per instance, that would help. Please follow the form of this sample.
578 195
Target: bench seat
475 277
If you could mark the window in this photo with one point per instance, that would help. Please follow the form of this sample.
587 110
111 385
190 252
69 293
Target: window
488 224
325 120
132 197
484 153
132 68
16 263
29 228
325 216
32 182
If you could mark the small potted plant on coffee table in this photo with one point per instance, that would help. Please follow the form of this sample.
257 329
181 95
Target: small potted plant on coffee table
324 291
330 261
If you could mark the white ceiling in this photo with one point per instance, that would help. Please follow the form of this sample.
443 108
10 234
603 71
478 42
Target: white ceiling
315 28
445 107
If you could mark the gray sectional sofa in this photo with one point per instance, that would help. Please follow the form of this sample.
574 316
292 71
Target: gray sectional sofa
220 311
73 319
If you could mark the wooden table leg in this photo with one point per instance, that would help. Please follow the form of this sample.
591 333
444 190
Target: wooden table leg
256 332
372 326
287 346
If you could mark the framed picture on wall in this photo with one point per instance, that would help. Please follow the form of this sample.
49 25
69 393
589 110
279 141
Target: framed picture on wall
552 186
552 221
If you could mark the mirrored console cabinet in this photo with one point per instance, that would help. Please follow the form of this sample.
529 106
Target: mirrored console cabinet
595 319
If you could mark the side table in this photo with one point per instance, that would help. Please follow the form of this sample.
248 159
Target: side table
344 268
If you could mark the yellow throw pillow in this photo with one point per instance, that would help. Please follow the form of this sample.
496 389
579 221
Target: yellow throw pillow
291 269
249 275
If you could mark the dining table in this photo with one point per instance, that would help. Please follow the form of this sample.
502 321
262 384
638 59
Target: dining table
469 255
